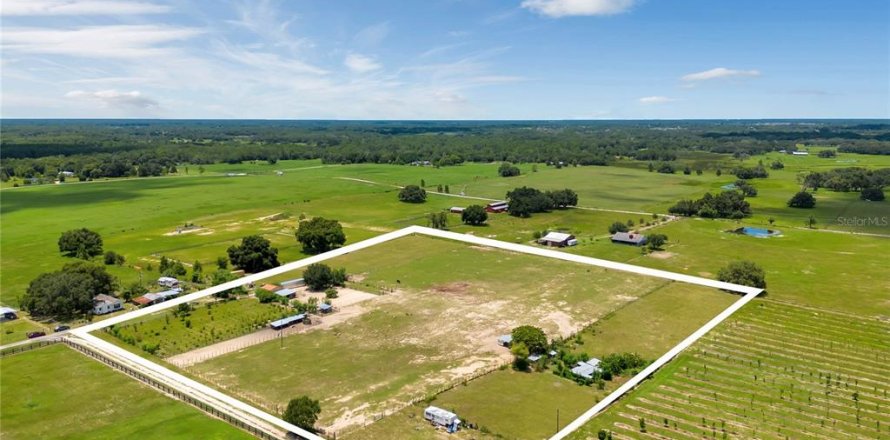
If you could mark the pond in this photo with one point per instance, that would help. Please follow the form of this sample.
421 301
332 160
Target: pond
756 232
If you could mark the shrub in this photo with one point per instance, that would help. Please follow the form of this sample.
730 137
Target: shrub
802 199
745 273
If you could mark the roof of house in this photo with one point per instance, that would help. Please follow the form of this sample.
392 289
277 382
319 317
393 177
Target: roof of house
107 299
5 310
167 280
586 369
293 281
168 293
270 287
289 320
557 236
629 237
285 292
496 204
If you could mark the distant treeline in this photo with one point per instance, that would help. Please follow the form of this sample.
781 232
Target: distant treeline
114 148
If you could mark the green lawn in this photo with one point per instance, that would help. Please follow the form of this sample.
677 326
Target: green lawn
208 322
772 371
17 330
56 393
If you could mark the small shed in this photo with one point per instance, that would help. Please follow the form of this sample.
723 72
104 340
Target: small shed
270 287
558 239
632 238
7 314
168 282
456 209
534 358
325 308
103 304
505 340
287 322
294 283
287 293
440 417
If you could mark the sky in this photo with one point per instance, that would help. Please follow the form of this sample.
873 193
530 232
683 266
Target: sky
445 59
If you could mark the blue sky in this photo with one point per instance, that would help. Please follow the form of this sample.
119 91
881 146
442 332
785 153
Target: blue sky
445 59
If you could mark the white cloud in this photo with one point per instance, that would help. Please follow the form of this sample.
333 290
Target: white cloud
117 41
566 8
113 98
719 72
372 35
360 63
80 7
655 100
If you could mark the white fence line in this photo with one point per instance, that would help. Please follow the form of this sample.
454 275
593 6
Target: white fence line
83 332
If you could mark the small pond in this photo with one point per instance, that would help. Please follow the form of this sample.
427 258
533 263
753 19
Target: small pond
757 232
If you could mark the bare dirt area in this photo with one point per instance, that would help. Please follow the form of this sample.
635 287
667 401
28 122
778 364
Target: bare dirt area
348 305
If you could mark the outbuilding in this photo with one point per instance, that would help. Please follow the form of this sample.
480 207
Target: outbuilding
632 238
496 207
270 287
169 282
456 210
287 293
558 239
7 314
287 322
325 308
103 304
440 417
505 340
587 369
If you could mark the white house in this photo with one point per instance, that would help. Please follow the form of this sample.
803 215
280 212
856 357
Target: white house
586 369
103 304
169 282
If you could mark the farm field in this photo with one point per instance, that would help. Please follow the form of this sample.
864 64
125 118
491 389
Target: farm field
57 393
435 290
168 333
650 326
772 371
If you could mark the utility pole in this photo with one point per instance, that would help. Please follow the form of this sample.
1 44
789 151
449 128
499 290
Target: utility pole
557 419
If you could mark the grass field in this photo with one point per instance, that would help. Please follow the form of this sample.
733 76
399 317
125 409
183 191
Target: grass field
56 393
448 303
773 371
649 326
208 322
17 330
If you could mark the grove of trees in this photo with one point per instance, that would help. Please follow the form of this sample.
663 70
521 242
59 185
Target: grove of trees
507 169
727 204
67 293
525 201
412 194
474 215
320 276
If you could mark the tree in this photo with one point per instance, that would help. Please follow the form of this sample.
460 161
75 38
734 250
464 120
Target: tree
508 170
318 276
112 257
811 221
563 198
175 269
302 412
530 336
474 215
617 227
872 194
197 272
743 272
438 220
320 235
254 254
134 290
69 292
520 356
81 243
222 262
412 194
656 241
802 199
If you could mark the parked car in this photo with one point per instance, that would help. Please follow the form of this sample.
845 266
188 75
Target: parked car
61 328
33 335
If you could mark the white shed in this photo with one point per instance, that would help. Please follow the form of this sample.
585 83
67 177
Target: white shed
441 417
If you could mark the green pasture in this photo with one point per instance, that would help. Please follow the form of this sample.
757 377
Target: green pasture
772 371
17 330
57 393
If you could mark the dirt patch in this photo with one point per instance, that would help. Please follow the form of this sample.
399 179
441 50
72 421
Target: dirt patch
482 248
199 231
662 255
452 288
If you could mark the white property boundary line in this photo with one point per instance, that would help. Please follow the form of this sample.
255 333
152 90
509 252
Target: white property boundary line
83 332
